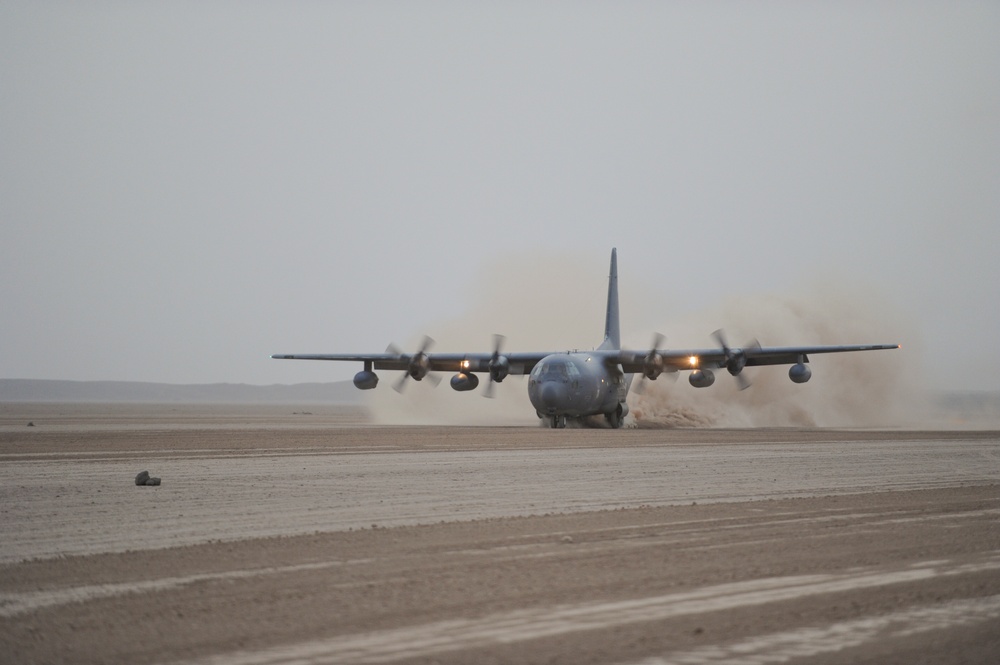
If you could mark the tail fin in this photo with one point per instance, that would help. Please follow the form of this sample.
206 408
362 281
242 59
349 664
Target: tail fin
612 332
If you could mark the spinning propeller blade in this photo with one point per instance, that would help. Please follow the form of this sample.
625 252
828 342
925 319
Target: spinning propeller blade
498 367
418 365
736 359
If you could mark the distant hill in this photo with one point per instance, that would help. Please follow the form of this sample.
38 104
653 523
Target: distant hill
32 390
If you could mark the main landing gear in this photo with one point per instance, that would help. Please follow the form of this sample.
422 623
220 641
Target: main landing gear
557 422
617 417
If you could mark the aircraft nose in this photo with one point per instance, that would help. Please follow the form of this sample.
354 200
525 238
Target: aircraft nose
552 394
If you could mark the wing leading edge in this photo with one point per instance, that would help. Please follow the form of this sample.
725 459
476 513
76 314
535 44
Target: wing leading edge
519 363
633 362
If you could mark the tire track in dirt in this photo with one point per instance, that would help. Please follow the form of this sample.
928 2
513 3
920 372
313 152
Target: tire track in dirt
431 639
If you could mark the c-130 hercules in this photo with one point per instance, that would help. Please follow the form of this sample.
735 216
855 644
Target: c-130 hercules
577 384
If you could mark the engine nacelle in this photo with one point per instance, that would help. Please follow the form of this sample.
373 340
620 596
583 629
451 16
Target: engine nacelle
365 380
463 382
419 366
652 365
799 373
499 368
702 378
736 363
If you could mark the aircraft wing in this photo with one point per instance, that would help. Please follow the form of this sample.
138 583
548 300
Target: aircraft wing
519 363
674 359
631 361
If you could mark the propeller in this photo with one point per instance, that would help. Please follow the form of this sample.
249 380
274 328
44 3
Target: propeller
418 365
736 359
652 364
498 365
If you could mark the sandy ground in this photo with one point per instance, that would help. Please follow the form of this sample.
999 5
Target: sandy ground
306 535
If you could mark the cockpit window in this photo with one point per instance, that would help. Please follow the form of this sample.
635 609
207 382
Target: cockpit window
556 369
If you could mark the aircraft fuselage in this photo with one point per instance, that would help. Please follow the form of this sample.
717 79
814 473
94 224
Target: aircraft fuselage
577 384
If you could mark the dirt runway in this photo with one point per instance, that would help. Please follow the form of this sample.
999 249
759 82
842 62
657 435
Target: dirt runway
305 535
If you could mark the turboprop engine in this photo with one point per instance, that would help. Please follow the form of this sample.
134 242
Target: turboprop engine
418 365
499 367
702 378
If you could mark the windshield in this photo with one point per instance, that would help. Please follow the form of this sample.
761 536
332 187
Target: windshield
560 369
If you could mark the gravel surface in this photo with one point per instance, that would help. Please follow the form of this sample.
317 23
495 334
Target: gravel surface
307 535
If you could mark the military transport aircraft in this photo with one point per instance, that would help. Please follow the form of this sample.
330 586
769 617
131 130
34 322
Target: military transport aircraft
575 384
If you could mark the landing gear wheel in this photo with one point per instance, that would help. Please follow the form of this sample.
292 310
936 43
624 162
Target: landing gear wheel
558 422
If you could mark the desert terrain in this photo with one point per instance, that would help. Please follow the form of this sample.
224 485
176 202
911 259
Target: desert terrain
285 534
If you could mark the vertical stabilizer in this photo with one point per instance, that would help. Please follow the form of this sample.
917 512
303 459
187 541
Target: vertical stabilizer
612 332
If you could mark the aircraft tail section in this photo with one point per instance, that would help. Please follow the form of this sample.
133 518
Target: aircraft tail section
612 331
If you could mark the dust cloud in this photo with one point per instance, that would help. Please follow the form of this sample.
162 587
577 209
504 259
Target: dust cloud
866 389
538 302
558 305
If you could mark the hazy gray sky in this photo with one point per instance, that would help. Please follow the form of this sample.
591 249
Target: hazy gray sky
186 188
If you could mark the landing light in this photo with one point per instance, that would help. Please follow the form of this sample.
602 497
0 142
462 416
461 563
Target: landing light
464 364
693 361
